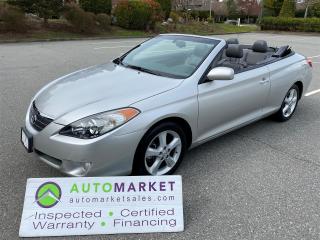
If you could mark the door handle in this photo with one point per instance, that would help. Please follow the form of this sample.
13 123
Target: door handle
264 80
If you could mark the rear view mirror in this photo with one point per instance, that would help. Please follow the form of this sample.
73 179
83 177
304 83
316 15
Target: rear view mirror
221 73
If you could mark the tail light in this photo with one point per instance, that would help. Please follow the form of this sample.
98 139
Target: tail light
309 61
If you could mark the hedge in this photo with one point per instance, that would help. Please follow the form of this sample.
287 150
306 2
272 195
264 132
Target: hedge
83 22
291 24
104 21
137 14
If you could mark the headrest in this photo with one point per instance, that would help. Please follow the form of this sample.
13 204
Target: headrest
200 50
234 51
232 41
260 46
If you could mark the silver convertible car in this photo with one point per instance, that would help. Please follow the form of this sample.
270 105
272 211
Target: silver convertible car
140 113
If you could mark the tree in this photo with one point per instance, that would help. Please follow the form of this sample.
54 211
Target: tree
272 7
96 6
315 10
165 6
220 10
43 8
232 9
312 7
288 8
249 8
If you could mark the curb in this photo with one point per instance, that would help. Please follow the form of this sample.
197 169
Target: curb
71 39
98 38
317 34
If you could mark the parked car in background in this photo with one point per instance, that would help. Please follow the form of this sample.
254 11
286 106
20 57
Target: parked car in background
140 113
233 22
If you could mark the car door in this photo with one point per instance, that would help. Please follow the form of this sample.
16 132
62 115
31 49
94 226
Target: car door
227 104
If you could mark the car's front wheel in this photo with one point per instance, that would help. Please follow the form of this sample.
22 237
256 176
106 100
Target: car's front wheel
161 150
289 104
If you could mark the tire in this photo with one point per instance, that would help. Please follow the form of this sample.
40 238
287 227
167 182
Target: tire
289 105
161 150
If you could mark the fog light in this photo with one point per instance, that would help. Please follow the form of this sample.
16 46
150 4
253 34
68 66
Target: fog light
76 168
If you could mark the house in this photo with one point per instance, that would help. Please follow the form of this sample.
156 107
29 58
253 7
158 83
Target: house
248 9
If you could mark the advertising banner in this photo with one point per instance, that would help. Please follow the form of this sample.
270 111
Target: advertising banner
102 205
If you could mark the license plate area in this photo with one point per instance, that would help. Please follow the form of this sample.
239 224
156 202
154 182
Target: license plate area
26 140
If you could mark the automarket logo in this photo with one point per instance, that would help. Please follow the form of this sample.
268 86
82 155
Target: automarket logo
48 194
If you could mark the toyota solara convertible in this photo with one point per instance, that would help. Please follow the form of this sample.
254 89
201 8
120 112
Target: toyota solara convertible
140 113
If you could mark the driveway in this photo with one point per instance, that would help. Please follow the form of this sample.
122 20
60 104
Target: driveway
259 182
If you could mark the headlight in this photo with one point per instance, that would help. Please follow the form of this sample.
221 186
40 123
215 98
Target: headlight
98 124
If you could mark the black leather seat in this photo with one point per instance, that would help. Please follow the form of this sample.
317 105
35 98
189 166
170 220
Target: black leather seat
258 53
232 41
234 58
229 42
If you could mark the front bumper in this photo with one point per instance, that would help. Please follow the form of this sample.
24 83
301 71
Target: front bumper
109 154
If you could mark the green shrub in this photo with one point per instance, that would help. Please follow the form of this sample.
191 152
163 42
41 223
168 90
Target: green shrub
132 14
82 21
165 6
104 21
204 15
156 13
12 18
175 17
96 6
43 8
291 24
194 14
137 14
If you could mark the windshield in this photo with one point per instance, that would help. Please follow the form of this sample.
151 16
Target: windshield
169 55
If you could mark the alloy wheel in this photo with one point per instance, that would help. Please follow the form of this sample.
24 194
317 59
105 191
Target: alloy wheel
290 103
163 152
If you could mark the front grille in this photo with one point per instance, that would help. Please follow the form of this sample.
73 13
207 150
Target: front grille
38 121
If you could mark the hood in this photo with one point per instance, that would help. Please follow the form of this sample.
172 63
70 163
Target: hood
108 86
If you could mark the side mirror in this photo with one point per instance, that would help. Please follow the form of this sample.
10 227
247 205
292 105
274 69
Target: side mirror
221 73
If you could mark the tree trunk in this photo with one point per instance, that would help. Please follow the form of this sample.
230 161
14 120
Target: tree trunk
306 12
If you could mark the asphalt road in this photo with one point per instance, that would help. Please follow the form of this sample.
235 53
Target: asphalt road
260 182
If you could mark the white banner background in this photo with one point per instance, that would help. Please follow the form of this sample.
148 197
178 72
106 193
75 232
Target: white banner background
141 204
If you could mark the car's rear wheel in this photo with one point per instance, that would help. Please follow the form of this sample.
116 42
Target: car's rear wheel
289 104
161 150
